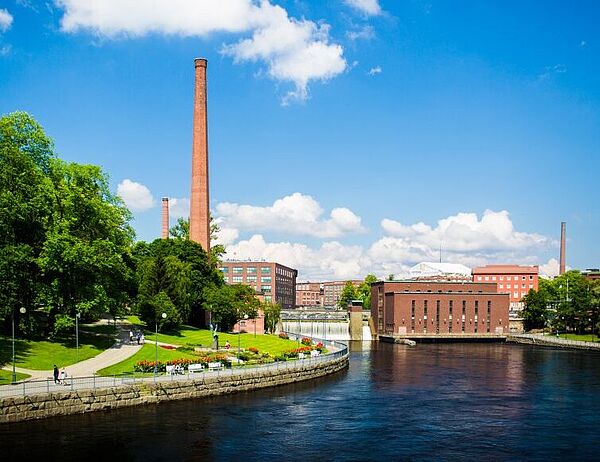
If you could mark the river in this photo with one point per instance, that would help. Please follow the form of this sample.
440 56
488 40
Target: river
429 402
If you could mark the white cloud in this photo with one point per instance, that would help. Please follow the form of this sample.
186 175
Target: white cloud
179 207
294 50
135 195
294 214
367 7
550 269
364 33
6 20
375 70
5 50
467 239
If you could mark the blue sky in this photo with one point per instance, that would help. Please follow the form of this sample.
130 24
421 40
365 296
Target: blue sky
345 136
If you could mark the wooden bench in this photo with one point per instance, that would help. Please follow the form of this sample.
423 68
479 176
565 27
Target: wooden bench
215 366
193 368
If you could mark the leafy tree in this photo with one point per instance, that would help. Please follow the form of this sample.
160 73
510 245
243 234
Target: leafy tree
535 312
364 290
86 257
348 294
390 277
181 230
25 198
230 303
272 316
152 308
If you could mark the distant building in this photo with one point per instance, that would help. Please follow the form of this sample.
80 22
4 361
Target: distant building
440 271
309 294
276 282
434 308
515 280
591 274
332 292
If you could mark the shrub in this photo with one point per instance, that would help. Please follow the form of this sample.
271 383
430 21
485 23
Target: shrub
253 350
306 341
284 336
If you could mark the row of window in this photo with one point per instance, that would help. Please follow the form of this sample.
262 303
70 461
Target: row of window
516 286
250 279
501 278
249 270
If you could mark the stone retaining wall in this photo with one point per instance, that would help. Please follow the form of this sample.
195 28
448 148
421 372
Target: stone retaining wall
21 408
530 339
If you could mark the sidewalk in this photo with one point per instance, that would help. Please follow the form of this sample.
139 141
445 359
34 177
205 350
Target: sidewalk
120 351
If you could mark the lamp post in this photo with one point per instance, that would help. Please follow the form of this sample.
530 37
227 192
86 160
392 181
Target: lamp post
22 310
239 336
77 316
164 316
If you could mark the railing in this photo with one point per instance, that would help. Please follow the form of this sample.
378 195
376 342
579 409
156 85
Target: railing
34 387
559 341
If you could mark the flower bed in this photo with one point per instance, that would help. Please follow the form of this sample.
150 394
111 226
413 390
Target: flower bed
284 336
306 341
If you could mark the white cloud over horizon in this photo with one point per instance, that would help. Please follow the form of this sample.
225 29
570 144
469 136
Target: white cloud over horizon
294 214
367 7
179 207
294 50
6 20
467 239
136 196
375 70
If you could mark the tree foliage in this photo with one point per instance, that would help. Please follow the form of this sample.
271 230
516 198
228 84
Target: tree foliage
272 313
230 303
64 238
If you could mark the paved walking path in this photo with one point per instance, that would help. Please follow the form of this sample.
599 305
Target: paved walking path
121 350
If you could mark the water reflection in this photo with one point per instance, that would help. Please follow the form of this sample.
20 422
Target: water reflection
430 402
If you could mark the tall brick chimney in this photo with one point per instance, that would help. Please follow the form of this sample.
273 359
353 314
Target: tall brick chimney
563 244
199 201
164 234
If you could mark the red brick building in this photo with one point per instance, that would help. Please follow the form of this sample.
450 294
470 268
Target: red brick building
309 294
515 280
276 282
431 308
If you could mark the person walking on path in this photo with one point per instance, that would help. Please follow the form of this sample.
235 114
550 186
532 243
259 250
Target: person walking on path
130 337
56 379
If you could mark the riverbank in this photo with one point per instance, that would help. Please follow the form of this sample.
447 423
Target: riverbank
165 389
551 341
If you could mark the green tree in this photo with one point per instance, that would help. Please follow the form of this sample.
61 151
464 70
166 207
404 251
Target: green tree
181 230
152 308
25 209
272 313
535 312
348 294
86 256
230 303
390 277
364 290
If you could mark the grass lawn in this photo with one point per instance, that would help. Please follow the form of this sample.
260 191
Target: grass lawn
6 377
147 352
188 335
43 354
581 337
135 320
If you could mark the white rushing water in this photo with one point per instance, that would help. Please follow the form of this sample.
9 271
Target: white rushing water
318 329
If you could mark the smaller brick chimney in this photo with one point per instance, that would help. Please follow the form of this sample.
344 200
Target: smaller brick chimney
165 218
563 245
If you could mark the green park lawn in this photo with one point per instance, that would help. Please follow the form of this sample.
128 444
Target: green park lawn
105 329
6 377
192 336
43 354
581 337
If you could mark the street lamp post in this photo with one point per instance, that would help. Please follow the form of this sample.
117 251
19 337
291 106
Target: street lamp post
22 310
77 316
239 336
164 316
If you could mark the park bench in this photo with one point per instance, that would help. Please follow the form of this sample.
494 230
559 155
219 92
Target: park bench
301 355
193 368
215 366
174 370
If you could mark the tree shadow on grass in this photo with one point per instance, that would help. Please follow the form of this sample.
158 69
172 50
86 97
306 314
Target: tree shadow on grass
22 350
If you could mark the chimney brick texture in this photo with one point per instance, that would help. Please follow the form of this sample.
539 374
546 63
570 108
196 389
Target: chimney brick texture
164 234
563 244
199 200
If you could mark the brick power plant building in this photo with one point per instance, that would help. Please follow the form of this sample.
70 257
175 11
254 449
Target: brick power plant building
433 308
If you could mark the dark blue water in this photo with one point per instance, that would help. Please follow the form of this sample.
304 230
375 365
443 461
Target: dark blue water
431 402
